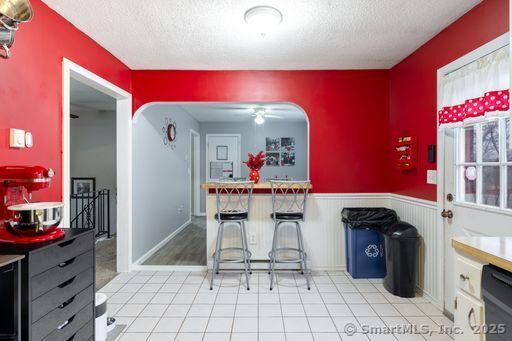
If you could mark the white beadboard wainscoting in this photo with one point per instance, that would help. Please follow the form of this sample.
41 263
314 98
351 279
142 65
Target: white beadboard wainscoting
324 235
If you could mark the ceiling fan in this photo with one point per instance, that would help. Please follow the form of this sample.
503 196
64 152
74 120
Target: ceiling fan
261 113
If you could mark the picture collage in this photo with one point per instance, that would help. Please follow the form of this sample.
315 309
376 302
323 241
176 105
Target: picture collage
280 151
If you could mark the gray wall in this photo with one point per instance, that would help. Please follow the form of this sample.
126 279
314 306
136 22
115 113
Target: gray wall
161 193
253 141
93 151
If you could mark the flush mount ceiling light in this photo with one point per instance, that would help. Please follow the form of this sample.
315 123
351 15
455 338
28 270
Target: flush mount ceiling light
259 119
263 19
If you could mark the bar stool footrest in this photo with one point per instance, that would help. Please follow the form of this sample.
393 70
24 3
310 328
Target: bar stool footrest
280 258
236 255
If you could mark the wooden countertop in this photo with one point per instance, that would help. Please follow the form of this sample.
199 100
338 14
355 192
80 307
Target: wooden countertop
492 250
260 185
8 259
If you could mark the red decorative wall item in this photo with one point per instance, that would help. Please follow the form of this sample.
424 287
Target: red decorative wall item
406 152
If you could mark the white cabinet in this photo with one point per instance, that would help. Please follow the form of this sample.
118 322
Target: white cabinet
469 311
469 317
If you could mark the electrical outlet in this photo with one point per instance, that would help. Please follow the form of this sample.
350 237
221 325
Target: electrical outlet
431 177
252 238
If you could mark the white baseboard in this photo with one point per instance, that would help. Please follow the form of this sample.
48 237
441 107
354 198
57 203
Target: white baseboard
201 214
158 246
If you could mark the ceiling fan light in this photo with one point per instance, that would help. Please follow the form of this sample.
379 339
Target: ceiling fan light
259 119
263 19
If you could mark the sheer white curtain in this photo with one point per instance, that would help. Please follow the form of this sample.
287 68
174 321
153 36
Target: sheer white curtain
489 73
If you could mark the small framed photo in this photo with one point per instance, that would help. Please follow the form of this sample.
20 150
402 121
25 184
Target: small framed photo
288 159
272 144
272 159
287 144
222 152
82 186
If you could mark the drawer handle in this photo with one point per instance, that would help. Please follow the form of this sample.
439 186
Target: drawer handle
66 283
72 337
69 242
473 327
464 277
68 302
66 323
66 263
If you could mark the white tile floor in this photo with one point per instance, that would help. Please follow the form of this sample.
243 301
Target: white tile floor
180 306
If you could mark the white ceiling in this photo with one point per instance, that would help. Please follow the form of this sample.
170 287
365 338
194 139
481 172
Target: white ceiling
242 112
85 97
212 34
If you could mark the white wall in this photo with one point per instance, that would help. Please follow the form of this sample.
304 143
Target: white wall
93 151
161 188
253 141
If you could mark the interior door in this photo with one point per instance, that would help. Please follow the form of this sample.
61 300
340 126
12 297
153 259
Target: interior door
462 217
223 157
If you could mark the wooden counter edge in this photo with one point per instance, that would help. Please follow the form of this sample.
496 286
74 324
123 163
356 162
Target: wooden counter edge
8 259
482 256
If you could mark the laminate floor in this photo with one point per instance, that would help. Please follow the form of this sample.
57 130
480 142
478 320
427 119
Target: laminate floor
106 261
187 248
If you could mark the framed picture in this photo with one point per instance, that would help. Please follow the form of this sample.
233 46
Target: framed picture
272 144
222 152
287 144
288 159
81 186
272 159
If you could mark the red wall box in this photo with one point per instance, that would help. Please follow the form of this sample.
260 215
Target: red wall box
406 152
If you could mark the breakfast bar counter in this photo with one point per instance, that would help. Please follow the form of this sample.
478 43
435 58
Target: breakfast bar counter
258 186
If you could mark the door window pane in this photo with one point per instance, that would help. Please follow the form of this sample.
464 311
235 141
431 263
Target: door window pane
490 142
469 179
509 187
491 185
509 147
469 144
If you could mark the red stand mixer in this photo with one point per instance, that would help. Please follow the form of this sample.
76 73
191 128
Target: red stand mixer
22 222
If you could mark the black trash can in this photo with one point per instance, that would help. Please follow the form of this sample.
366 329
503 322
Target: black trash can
402 242
364 243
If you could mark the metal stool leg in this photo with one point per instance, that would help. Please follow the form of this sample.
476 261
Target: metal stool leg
244 251
215 267
303 255
220 238
246 246
273 254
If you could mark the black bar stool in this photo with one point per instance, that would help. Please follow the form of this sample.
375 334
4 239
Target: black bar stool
233 203
288 206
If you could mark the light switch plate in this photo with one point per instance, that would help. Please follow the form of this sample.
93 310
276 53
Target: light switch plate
432 177
16 138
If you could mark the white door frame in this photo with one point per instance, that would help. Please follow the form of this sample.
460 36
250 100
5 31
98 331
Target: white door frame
239 136
480 52
70 71
195 172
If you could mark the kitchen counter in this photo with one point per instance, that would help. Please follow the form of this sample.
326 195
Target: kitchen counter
260 185
492 250
8 259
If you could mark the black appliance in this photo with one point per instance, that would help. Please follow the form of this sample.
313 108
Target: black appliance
497 292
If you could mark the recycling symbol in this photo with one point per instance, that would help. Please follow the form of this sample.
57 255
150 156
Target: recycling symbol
372 251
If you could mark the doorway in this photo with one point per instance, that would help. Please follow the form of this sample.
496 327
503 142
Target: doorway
122 120
195 173
223 156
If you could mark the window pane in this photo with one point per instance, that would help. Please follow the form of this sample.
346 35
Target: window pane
491 185
490 142
509 147
469 179
509 187
469 135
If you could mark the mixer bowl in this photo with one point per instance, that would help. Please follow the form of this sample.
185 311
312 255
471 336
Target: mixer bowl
35 218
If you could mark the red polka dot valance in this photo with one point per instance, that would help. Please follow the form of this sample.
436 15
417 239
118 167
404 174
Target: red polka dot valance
492 101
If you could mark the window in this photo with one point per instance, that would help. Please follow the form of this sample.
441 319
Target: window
484 164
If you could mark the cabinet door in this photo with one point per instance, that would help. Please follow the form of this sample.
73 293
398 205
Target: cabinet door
469 318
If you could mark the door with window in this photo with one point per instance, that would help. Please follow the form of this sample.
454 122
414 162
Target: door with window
478 187
222 157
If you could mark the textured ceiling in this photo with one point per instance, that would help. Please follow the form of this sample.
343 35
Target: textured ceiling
212 34
243 112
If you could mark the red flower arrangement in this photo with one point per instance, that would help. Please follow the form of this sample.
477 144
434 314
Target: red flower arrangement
255 163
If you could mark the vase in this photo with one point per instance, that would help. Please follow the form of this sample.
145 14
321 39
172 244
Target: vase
254 175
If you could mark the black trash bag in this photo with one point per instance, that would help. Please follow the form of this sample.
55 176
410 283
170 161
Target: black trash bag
375 218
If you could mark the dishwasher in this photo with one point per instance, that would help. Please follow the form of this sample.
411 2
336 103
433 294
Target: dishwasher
497 292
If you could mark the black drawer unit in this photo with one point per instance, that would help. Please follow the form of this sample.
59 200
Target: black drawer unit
57 287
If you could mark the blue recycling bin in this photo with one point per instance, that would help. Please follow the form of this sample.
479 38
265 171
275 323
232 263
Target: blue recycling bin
364 241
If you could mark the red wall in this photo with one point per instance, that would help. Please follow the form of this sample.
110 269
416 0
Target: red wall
31 88
413 86
347 110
